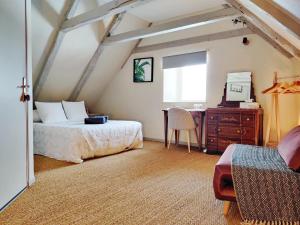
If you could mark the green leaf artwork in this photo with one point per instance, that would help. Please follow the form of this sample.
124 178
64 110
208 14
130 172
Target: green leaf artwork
141 72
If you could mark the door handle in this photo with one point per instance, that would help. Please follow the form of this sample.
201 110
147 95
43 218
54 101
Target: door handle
25 97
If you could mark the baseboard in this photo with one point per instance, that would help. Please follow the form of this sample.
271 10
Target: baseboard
181 143
13 199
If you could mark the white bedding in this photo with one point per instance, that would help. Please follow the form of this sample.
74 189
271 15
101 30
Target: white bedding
74 141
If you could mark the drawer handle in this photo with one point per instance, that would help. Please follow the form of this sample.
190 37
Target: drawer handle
248 119
211 117
212 140
238 131
219 130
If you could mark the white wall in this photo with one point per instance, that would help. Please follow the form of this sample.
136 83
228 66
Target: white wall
124 99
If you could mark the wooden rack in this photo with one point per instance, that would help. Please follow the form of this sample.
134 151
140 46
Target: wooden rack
277 89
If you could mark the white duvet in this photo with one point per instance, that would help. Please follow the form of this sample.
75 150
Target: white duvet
73 142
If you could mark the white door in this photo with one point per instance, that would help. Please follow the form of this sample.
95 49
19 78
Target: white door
12 112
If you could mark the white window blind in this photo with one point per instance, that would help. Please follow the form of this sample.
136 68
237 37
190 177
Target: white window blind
183 60
185 77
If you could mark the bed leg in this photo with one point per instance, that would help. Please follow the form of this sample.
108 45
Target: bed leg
226 207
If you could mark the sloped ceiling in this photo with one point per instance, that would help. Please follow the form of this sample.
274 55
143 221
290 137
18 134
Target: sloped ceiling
76 50
273 23
79 45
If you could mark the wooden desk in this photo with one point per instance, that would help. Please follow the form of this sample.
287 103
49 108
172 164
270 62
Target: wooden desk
198 115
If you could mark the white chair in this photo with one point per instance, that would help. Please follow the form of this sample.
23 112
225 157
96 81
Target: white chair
181 119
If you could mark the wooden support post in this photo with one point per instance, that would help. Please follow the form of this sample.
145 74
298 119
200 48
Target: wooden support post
93 61
277 117
48 62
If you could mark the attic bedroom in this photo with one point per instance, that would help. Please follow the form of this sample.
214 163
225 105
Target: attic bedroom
150 112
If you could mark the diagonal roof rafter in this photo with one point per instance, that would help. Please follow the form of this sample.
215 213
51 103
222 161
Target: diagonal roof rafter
265 28
94 59
48 62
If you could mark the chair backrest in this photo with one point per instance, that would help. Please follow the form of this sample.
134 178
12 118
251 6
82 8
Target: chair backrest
180 119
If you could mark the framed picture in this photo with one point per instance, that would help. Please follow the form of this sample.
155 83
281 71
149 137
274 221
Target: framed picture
143 70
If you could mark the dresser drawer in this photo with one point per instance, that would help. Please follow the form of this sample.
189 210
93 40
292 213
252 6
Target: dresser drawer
230 118
224 142
229 131
248 133
212 130
248 120
212 118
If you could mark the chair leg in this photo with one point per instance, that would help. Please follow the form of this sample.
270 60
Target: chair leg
188 139
226 207
172 132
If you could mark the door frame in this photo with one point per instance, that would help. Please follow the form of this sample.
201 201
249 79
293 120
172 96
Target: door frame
30 179
29 104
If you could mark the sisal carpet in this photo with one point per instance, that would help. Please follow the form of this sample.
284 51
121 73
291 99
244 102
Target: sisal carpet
148 186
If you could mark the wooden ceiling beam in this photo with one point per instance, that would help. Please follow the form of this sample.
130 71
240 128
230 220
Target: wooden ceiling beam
282 15
133 49
250 16
53 50
107 10
172 26
90 67
194 40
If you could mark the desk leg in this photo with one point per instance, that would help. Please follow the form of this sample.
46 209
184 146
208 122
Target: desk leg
200 130
177 137
166 128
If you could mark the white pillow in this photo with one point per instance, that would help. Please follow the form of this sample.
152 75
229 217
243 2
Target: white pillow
51 112
36 116
75 111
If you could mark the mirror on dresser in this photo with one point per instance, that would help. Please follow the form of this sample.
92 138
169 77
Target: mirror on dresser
238 88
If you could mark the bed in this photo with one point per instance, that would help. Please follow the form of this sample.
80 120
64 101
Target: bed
75 141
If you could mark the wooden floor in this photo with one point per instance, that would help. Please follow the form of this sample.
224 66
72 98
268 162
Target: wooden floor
148 186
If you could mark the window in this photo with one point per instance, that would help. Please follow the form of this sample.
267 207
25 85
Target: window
185 78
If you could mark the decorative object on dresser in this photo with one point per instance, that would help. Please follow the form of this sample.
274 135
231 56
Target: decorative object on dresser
225 126
238 88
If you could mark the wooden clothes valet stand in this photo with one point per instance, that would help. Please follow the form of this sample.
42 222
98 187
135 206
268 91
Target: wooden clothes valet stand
279 88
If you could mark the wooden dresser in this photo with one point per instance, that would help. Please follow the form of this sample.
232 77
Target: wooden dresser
225 126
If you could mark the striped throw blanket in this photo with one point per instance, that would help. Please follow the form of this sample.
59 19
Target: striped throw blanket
267 191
